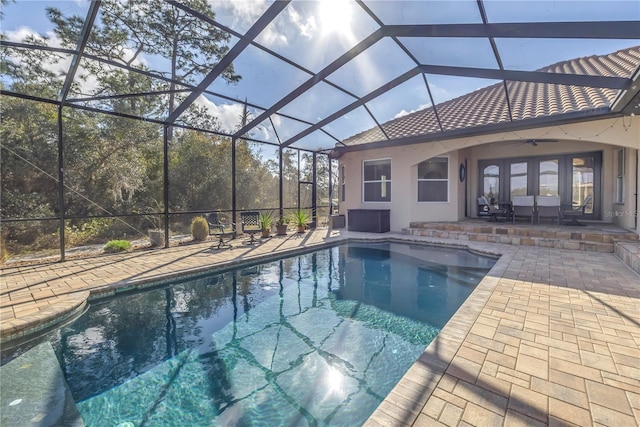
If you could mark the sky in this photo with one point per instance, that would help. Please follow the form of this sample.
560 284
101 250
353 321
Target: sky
313 34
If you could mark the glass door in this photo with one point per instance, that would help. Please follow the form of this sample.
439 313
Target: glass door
583 181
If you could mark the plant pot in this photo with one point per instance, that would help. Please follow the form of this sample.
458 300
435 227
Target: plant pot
281 229
265 233
301 228
156 237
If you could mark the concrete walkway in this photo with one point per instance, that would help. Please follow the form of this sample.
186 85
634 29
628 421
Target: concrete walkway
549 337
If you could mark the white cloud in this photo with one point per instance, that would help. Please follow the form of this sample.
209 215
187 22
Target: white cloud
228 115
306 25
404 112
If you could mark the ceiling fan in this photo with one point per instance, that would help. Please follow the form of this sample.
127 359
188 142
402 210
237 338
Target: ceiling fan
536 141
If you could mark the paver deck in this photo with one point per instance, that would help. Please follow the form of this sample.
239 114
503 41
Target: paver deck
549 337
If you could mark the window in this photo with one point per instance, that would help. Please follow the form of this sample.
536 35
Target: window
491 182
433 180
548 178
377 180
518 179
620 177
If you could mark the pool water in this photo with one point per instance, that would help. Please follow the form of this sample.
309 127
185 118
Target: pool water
316 339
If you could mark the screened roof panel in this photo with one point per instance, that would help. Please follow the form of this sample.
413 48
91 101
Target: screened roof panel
453 52
238 15
357 120
286 128
363 74
324 98
317 140
264 132
265 78
426 12
301 60
561 11
543 54
34 72
226 115
315 33
25 17
404 99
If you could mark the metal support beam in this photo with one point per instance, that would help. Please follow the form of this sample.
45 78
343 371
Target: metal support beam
314 190
82 43
61 182
382 89
262 22
233 180
342 60
280 184
529 76
165 186
627 30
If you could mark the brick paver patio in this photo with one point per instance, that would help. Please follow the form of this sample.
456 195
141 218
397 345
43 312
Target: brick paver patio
549 337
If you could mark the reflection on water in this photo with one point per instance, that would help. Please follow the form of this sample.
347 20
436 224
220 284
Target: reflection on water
317 339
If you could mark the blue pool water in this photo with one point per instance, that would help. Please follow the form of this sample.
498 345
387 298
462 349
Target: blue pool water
316 339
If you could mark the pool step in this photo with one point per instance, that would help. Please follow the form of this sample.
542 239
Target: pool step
583 239
35 393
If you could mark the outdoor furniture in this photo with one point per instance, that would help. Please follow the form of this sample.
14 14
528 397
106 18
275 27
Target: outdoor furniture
224 231
548 207
523 206
250 221
369 220
494 210
483 206
576 211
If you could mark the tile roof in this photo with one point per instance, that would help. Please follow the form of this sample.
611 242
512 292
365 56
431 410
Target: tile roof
529 100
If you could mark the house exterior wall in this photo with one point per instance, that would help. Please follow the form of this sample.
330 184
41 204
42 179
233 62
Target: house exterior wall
605 136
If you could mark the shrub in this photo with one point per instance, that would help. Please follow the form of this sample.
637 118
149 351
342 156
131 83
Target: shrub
199 228
117 246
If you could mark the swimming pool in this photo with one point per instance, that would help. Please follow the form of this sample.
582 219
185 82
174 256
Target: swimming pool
315 339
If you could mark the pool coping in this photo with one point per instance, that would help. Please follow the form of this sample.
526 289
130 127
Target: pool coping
409 396
67 308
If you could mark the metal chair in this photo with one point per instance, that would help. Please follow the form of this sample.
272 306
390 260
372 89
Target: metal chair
251 225
493 210
577 211
523 206
548 207
222 230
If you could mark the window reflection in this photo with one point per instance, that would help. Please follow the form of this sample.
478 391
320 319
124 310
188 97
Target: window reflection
548 178
582 182
491 179
518 179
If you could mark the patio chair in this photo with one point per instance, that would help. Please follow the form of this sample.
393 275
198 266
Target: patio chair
493 210
548 207
250 225
222 230
576 211
523 206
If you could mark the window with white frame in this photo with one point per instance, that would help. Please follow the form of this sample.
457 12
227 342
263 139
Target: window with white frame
620 176
376 180
433 180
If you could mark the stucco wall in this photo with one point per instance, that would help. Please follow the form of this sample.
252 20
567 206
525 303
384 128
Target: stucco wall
601 135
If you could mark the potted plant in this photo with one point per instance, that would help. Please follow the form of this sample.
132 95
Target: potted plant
265 220
301 219
281 226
